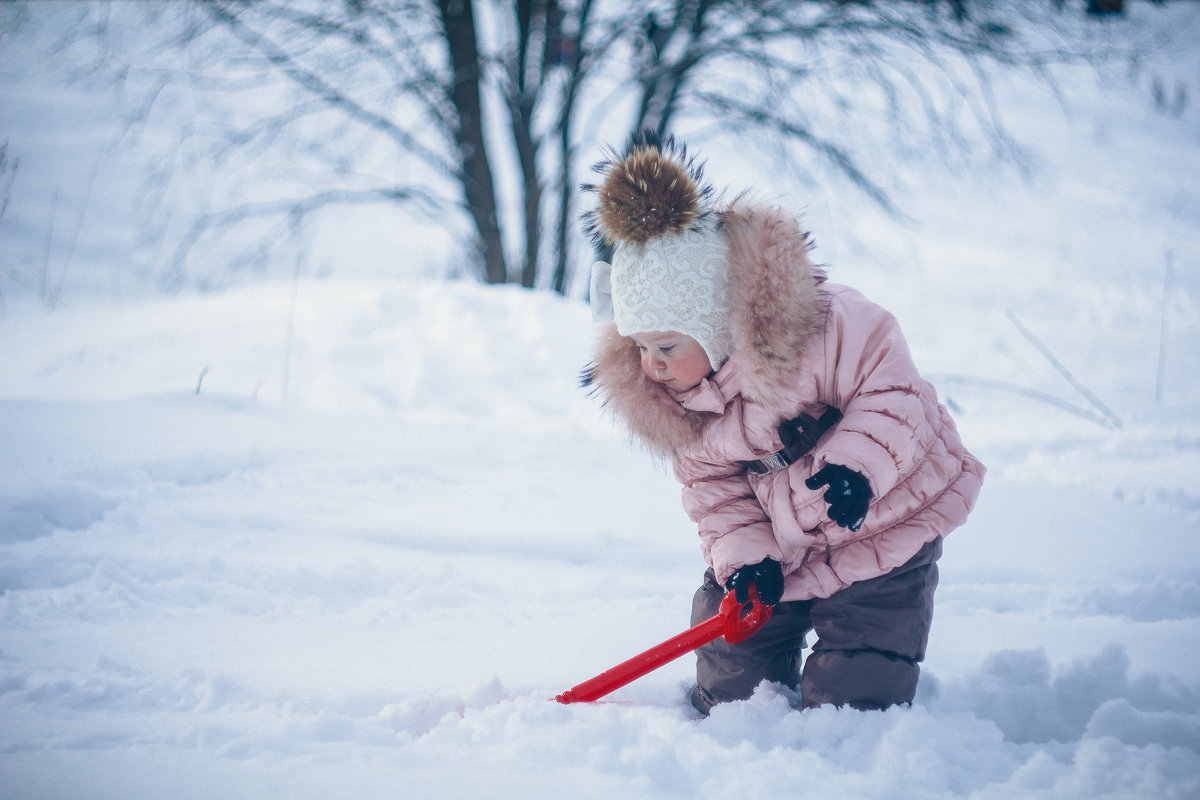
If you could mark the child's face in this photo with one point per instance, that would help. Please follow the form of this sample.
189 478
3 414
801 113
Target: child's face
673 359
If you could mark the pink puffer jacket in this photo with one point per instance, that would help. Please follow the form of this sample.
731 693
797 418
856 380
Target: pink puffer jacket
799 344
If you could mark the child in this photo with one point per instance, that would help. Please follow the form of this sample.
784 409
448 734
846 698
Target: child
818 464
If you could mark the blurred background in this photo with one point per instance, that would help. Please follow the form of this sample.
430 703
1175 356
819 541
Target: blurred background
203 143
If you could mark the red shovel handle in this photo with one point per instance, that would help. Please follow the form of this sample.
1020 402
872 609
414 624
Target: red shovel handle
738 626
735 621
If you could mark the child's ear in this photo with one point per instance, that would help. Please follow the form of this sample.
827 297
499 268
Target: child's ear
600 295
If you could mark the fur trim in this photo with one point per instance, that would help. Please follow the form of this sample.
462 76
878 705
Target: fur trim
776 298
777 301
653 190
652 416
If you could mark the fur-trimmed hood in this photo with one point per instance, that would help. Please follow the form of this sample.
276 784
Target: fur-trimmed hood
776 299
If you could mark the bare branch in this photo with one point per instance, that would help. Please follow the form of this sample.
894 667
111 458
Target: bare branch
742 115
293 209
1026 392
279 57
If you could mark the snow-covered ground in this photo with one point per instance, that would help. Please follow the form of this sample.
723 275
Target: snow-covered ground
345 538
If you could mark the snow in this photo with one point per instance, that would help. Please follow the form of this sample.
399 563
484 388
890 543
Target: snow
347 536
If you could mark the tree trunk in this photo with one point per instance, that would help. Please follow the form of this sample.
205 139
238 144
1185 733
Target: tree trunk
526 84
532 188
458 23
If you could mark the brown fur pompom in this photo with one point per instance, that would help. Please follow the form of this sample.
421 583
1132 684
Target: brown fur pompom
653 190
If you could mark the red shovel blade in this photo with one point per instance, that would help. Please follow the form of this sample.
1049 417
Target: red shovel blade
729 621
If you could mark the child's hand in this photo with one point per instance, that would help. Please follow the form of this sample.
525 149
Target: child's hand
848 496
767 575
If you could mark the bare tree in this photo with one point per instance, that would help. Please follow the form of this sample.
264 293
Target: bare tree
437 62
782 54
462 91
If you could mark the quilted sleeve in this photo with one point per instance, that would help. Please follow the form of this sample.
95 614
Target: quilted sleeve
734 529
869 374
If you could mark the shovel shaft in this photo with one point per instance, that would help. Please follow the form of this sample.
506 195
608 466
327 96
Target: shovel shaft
729 622
643 663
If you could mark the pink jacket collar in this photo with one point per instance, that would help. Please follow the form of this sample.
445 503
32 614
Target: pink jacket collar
713 394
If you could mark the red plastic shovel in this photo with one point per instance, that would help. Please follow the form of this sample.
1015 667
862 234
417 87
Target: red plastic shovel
730 622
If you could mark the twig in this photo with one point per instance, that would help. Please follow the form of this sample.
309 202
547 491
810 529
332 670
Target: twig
44 287
1113 419
52 300
1160 378
1032 394
291 326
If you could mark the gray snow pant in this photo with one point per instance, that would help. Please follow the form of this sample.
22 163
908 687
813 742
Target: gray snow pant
870 638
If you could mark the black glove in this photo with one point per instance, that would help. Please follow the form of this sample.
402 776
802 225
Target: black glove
767 575
848 496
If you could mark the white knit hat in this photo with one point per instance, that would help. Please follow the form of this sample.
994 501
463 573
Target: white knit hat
675 283
669 267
